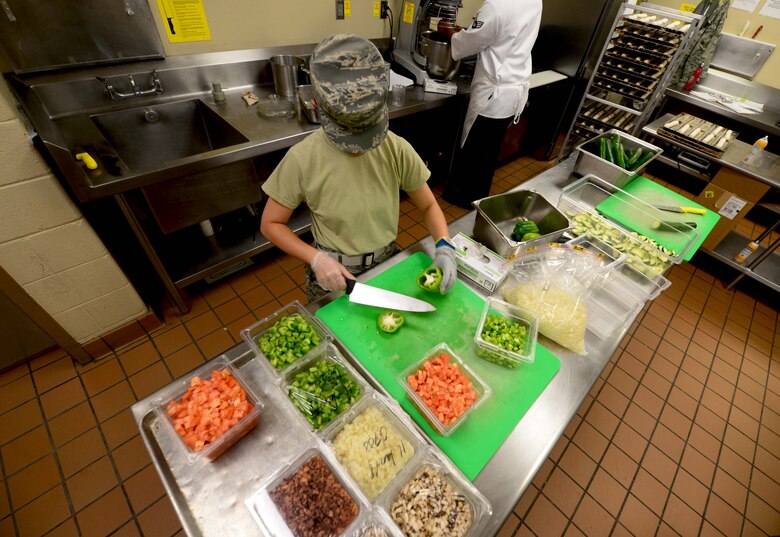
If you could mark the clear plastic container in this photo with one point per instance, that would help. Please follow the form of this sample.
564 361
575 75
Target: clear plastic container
253 333
609 309
494 353
180 386
638 281
268 515
309 404
377 524
379 444
480 387
477 508
597 247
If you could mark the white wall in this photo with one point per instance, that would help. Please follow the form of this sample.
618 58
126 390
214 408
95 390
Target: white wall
48 247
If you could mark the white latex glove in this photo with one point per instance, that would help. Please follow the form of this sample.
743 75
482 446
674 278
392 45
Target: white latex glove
330 273
445 260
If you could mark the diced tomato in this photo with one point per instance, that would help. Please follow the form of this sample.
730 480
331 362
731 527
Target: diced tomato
443 388
208 409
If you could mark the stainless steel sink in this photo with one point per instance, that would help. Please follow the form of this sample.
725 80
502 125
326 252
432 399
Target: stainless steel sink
149 136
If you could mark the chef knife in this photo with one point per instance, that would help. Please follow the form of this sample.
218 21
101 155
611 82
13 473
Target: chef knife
676 209
373 296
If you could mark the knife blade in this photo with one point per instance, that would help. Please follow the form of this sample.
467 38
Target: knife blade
676 209
373 296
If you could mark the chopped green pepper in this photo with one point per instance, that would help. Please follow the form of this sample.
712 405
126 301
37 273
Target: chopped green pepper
430 278
505 334
289 339
323 391
389 321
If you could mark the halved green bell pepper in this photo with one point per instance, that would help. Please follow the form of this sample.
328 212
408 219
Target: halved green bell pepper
389 321
430 278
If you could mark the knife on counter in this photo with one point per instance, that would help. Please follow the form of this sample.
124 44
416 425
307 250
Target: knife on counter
677 209
360 293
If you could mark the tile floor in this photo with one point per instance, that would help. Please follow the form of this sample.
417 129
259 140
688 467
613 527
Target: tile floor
679 436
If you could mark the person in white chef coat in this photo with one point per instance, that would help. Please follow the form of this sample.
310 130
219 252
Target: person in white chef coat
502 33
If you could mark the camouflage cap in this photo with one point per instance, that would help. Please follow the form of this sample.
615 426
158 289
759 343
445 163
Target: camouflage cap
351 82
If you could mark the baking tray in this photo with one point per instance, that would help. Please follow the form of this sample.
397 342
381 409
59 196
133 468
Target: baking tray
704 128
626 78
650 67
634 69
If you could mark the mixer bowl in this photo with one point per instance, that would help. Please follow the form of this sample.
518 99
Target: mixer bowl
437 51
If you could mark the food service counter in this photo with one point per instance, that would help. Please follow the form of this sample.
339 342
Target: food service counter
209 498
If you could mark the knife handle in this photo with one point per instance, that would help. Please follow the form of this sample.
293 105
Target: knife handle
350 285
693 210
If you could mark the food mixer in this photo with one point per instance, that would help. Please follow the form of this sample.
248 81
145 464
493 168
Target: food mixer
418 17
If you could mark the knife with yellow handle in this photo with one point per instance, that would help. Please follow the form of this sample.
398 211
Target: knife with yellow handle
676 209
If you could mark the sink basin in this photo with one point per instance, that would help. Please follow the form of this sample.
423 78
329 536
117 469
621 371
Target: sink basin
149 136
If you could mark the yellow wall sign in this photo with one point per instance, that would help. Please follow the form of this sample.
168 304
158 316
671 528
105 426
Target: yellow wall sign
408 12
347 8
376 9
688 8
184 20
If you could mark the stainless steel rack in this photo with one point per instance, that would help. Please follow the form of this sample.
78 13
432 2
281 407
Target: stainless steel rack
647 41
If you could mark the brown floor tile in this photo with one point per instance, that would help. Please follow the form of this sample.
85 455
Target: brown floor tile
676 422
295 294
15 373
723 516
235 327
54 374
578 465
47 358
639 420
112 401
704 443
649 491
280 285
43 514
219 294
144 488
141 356
66 529
768 463
526 500
257 297
33 481
637 518
604 421
171 341
734 465
680 517
184 360
630 441
62 398
715 403
104 515
659 465
25 449
613 400
742 421
243 282
592 519
751 387
607 491
19 420
698 465
131 530
130 457
545 519
119 429
159 520
203 324
124 336
150 380
563 492
71 424
592 442
91 483
15 393
543 473
231 310
102 377
691 491
216 343
766 517
80 452
624 383
740 443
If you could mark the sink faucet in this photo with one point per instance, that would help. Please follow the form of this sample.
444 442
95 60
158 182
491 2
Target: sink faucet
136 92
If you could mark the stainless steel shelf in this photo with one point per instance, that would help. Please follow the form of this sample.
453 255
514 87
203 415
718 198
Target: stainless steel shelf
767 272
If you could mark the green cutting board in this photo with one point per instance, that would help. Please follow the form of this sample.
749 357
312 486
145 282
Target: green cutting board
454 322
616 208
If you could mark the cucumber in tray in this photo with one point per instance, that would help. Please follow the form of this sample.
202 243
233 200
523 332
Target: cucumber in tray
611 149
642 249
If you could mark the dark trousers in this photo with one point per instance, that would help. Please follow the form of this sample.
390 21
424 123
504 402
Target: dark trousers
475 163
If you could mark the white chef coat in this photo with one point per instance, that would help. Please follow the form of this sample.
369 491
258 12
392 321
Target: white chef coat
503 33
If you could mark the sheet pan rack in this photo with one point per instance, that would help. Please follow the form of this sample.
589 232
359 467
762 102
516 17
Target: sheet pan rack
627 84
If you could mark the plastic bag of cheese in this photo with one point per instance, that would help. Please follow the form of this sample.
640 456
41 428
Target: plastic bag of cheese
552 282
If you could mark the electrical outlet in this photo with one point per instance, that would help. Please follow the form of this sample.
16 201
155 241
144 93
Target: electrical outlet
383 9
339 10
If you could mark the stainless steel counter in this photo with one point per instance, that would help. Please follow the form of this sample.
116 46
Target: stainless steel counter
209 500
766 169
